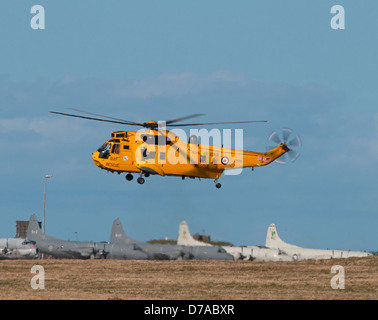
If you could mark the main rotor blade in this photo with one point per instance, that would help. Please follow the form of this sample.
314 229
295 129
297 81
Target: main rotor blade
184 118
212 123
111 118
97 119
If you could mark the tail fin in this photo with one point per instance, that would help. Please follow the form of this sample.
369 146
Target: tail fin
274 241
184 237
34 232
118 235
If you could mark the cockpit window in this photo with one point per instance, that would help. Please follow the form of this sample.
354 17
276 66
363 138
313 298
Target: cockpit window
104 150
106 145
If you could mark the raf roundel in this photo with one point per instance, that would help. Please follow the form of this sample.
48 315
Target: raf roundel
225 160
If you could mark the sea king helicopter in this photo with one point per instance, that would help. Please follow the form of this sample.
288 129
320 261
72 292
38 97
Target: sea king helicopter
158 151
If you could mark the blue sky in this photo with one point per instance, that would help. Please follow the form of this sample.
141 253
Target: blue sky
255 60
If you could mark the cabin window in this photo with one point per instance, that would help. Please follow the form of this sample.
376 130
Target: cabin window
126 147
148 154
157 140
162 155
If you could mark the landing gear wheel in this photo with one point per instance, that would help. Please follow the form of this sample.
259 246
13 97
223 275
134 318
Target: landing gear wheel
218 185
140 180
129 177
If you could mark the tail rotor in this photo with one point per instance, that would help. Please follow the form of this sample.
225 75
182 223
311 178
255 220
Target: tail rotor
288 139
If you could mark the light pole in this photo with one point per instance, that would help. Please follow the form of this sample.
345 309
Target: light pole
47 176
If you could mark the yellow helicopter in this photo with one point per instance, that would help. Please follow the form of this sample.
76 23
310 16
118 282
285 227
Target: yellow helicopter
158 151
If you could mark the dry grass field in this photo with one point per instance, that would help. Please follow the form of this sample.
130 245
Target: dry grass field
189 280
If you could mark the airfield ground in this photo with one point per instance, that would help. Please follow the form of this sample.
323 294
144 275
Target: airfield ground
189 280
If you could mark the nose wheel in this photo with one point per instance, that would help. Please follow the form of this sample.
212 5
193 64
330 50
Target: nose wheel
140 180
217 184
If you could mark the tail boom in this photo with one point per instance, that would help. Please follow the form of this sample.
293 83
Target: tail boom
259 159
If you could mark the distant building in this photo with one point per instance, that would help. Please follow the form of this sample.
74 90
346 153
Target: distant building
201 237
22 228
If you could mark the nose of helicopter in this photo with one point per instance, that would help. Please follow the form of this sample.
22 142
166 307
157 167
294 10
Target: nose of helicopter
95 158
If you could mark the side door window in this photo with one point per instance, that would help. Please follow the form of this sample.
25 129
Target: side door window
115 148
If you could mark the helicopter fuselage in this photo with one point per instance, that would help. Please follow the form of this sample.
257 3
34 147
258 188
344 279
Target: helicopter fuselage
161 152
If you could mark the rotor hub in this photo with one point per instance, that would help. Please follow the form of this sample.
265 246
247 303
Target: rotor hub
152 124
